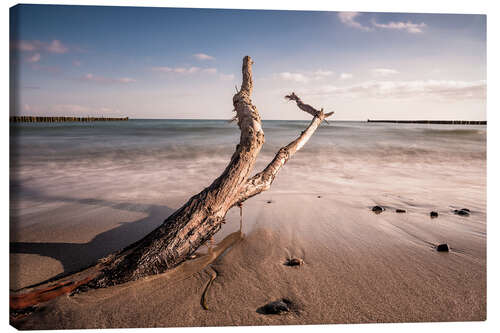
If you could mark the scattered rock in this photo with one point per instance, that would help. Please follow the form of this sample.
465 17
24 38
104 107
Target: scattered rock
442 248
377 209
434 214
462 212
269 201
281 306
319 197
294 262
400 210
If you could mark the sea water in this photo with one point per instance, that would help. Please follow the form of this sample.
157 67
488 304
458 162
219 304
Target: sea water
147 161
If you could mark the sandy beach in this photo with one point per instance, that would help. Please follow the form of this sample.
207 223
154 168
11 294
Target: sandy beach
359 267
194 167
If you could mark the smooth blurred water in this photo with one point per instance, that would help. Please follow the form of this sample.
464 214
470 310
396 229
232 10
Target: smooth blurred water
179 139
145 160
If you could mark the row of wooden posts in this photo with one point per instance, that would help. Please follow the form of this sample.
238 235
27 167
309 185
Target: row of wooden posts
451 122
40 119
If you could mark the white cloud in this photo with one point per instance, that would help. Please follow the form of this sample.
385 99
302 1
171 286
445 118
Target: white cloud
323 73
55 46
349 19
410 27
101 79
408 89
179 70
210 70
192 70
25 46
34 58
125 80
226 77
305 77
203 56
345 76
383 72
297 77
164 69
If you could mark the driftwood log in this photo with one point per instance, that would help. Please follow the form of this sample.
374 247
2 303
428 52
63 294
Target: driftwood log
182 233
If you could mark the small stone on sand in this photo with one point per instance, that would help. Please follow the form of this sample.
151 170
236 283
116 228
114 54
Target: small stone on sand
377 209
294 262
400 211
462 212
269 201
434 214
442 248
277 307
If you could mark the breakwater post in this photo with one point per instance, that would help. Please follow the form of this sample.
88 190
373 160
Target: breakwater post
450 122
42 119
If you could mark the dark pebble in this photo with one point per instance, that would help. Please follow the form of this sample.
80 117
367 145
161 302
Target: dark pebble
442 248
294 262
434 214
319 196
462 212
400 211
276 307
377 209
269 201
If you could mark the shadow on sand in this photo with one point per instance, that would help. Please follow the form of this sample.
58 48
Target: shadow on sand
77 256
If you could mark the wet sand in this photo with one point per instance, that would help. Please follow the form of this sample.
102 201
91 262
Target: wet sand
359 267
72 207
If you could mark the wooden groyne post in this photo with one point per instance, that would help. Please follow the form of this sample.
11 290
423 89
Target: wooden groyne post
42 119
449 122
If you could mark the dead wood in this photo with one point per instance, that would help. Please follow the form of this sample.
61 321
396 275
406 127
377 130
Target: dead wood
182 233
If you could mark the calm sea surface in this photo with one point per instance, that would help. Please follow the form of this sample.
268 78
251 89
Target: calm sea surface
148 160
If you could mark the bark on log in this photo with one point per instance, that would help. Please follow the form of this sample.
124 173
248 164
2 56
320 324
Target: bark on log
201 217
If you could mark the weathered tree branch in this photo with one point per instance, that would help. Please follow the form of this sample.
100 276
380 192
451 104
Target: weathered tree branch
201 217
263 180
182 233
306 107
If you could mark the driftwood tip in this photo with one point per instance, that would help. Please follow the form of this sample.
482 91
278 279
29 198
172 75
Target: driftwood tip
292 97
247 60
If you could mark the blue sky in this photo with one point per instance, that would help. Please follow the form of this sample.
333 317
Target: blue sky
185 63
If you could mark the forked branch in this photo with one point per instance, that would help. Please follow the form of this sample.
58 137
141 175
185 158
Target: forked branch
262 181
183 232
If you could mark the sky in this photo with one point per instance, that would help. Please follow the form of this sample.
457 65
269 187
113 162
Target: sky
185 63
